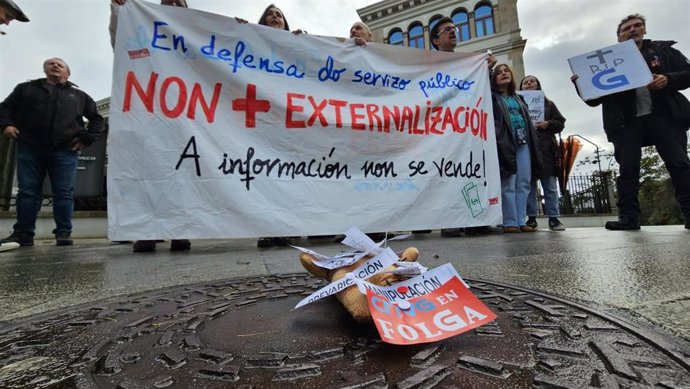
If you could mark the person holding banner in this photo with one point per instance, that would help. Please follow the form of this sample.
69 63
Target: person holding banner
657 114
9 11
547 129
273 17
361 33
444 38
141 246
517 146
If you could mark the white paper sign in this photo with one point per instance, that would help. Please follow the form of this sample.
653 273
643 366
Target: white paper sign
220 129
356 239
414 287
610 70
371 267
535 104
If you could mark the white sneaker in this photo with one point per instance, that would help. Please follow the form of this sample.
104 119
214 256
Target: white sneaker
8 246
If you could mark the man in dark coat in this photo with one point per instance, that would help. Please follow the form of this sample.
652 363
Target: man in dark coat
444 38
46 119
9 11
653 115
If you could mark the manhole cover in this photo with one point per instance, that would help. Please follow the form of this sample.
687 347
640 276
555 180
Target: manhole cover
242 333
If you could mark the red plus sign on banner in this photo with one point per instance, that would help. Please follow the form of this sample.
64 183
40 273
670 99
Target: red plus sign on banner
250 105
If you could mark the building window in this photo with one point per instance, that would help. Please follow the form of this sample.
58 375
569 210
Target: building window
484 20
462 22
416 36
395 38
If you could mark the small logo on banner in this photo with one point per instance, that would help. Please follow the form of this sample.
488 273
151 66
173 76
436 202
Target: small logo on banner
448 311
135 54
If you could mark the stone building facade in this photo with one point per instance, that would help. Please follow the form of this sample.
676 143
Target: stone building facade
482 25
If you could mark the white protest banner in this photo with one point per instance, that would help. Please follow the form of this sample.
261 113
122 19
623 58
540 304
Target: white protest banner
220 129
373 266
610 70
444 312
420 285
535 103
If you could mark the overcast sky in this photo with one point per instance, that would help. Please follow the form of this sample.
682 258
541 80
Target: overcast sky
76 30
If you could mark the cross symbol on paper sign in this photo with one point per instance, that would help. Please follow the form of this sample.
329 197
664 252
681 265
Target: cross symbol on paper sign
250 105
600 54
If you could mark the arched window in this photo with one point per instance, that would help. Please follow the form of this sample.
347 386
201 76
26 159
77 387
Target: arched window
462 22
395 38
416 36
484 20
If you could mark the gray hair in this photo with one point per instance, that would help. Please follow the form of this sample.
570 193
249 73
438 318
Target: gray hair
69 72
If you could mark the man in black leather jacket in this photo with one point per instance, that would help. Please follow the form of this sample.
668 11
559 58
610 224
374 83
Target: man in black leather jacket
46 119
653 115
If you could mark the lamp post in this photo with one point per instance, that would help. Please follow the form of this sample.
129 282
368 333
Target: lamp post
606 195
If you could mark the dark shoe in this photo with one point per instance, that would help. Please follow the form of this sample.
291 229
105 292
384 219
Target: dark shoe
555 224
421 232
623 224
510 230
24 239
482 230
527 228
180 244
265 242
144 246
63 239
282 241
378 236
452 232
532 222
319 237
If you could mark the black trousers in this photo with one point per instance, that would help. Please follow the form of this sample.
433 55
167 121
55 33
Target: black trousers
670 139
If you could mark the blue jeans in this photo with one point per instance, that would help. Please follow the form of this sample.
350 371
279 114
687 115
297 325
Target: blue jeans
32 164
515 189
550 187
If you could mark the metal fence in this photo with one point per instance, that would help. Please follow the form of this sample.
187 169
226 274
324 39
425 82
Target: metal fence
589 195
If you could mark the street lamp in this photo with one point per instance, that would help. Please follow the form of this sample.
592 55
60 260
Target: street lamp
607 194
596 149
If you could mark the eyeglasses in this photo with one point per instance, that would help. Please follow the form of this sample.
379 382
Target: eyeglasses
447 29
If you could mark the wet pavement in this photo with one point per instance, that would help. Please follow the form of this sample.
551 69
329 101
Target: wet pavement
635 282
642 273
